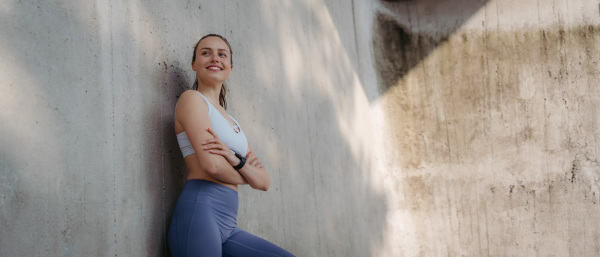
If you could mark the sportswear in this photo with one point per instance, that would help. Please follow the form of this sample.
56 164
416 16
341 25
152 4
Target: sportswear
233 136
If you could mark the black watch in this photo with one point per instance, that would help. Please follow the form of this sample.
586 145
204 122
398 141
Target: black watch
242 160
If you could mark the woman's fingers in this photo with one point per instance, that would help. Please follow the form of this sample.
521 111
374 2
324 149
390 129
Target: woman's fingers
213 146
250 155
255 162
211 141
218 151
214 142
251 162
212 133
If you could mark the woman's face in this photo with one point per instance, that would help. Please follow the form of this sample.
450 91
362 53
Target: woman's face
213 60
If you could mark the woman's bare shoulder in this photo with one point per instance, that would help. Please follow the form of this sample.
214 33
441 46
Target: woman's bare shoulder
188 95
191 110
190 103
190 98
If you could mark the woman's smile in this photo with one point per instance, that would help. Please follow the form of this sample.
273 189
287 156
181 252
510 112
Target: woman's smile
214 68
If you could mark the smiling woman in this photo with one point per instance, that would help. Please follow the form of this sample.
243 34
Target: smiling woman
218 158
223 92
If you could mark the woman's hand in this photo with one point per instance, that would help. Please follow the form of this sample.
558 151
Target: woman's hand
216 146
253 160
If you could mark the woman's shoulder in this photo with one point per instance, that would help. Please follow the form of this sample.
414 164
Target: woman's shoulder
190 109
191 100
190 97
189 94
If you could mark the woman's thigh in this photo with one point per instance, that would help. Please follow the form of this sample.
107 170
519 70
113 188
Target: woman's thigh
243 243
194 232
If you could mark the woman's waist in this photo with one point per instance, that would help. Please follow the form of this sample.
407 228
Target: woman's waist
200 191
195 172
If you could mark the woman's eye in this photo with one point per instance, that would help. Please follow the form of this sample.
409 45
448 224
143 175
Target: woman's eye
204 53
223 55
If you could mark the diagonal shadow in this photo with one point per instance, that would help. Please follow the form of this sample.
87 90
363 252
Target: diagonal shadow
402 39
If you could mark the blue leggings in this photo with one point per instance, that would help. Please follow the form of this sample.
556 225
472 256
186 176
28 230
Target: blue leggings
205 224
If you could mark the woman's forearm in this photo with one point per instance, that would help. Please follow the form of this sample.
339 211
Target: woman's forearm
257 178
233 177
219 168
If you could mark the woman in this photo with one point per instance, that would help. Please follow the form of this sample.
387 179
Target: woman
218 159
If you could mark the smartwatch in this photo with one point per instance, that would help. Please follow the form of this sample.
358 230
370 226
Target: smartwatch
242 161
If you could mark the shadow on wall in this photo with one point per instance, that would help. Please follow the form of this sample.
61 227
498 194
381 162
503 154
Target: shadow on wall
321 196
174 172
401 42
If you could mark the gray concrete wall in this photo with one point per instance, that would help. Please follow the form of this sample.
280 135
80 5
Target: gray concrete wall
89 164
491 125
390 128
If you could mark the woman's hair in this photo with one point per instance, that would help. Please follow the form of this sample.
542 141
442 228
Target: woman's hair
222 100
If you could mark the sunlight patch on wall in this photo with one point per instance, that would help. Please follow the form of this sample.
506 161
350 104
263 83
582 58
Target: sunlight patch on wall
7 6
28 127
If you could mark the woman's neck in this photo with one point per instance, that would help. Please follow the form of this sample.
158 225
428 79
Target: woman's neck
212 93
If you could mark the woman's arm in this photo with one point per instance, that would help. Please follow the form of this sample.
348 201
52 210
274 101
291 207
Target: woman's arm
192 113
253 171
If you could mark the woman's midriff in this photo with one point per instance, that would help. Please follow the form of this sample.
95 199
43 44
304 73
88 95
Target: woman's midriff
196 172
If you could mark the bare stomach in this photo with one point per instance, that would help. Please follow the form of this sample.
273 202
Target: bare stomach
195 171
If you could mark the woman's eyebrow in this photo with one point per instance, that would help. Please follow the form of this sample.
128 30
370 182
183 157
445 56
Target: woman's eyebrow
220 49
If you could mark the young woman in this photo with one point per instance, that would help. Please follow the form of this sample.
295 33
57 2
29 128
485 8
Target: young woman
218 159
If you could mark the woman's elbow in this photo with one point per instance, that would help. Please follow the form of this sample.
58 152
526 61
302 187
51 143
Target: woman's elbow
264 186
211 169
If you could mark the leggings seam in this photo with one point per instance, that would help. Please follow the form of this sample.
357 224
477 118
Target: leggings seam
187 245
233 241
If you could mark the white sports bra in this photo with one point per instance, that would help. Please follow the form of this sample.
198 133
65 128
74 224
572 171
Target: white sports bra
236 141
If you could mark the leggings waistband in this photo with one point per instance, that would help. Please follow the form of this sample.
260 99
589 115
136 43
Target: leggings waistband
220 197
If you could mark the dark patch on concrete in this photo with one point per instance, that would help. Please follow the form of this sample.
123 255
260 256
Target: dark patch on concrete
574 170
397 50
393 47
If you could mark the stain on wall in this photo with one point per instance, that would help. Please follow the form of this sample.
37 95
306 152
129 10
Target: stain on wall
493 126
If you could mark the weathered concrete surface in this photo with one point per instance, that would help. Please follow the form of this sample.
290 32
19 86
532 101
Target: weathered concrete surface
89 164
491 127
390 128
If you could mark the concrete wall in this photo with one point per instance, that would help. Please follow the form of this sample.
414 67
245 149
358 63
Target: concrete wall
491 126
89 164
390 128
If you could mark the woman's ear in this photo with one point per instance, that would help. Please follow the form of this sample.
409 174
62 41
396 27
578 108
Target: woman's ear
193 66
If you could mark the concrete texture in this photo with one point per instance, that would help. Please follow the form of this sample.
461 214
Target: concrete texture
491 126
89 164
390 128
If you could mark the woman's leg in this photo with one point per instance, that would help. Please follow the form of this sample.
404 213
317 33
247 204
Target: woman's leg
194 232
242 243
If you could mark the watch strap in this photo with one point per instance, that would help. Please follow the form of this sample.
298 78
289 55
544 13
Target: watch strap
242 161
